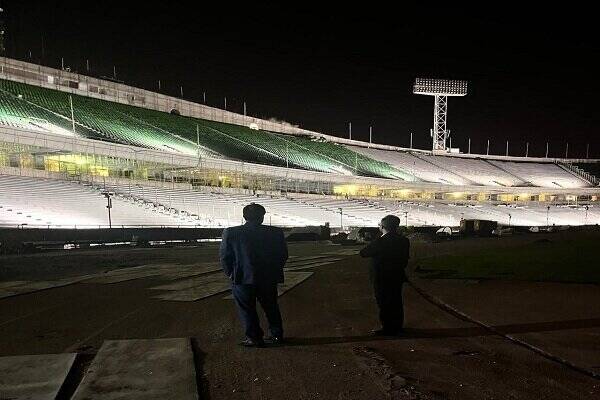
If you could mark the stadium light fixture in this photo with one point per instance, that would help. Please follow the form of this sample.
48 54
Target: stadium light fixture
440 89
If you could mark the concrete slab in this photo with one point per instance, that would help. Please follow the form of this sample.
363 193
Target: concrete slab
36 377
304 258
154 369
7 293
187 274
311 261
292 279
196 293
344 252
164 271
186 271
122 277
310 265
4 285
25 287
198 281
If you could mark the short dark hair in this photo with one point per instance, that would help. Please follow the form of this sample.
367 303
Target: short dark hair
254 212
390 223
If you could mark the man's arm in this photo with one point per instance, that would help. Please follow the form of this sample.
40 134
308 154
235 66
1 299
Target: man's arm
226 254
371 250
284 249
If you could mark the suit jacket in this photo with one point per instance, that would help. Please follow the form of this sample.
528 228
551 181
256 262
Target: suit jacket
253 254
390 254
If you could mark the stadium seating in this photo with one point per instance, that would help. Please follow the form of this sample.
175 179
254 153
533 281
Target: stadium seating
68 204
414 165
94 119
478 171
46 110
542 175
148 128
351 162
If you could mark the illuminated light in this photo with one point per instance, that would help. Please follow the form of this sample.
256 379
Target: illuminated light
457 195
346 189
253 126
440 87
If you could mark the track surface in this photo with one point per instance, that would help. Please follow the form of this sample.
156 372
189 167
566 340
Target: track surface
330 354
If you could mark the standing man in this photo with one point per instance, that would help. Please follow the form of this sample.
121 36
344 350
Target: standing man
252 256
390 253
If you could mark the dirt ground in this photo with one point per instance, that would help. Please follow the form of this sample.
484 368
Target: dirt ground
328 318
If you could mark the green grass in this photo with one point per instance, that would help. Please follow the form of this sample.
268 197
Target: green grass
546 259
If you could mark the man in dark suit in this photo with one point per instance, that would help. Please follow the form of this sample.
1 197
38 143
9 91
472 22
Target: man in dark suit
389 253
252 256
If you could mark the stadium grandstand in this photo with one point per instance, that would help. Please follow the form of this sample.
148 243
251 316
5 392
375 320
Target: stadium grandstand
69 142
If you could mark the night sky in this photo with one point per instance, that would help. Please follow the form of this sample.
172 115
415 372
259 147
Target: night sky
532 75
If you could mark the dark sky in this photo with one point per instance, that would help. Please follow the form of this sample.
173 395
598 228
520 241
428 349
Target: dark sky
532 74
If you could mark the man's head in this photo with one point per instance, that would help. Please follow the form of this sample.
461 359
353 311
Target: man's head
389 223
254 213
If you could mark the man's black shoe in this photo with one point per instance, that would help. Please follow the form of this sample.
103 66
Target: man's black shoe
252 343
276 340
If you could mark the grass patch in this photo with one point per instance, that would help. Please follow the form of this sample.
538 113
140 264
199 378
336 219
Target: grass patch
546 259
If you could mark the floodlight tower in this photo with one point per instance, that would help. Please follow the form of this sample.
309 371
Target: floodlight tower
440 89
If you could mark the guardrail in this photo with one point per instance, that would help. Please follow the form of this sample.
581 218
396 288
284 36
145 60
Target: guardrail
15 240
41 226
580 172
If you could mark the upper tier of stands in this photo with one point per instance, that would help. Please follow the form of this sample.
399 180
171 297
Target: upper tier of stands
99 119
543 175
478 171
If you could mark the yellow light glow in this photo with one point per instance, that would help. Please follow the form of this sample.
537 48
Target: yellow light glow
350 190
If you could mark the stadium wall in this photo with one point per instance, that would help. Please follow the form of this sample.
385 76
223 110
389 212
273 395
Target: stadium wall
16 240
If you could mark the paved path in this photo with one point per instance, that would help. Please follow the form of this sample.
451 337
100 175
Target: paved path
329 355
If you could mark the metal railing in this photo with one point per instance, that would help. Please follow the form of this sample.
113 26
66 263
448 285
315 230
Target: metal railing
100 226
580 172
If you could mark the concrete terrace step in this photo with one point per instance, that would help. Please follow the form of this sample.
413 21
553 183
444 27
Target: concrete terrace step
152 369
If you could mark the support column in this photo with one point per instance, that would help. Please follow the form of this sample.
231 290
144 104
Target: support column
439 132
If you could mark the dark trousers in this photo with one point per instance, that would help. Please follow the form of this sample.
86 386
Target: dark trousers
391 308
245 297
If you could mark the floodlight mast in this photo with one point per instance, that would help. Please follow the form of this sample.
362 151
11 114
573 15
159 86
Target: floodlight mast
440 89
